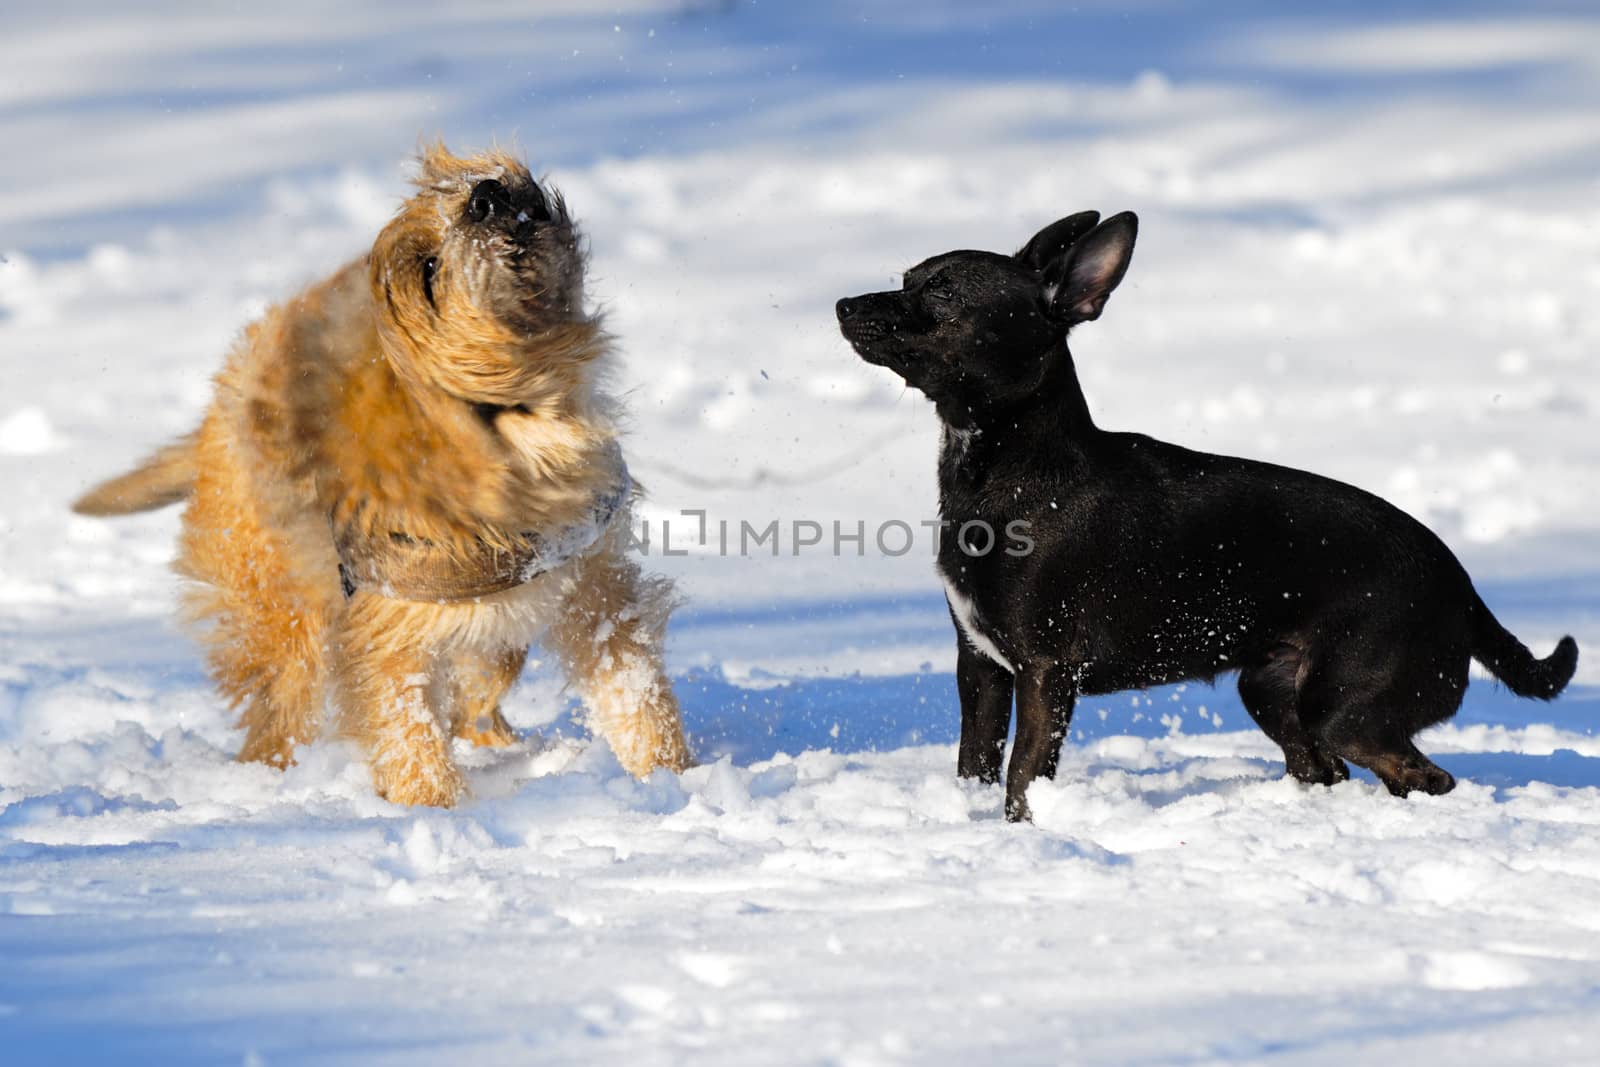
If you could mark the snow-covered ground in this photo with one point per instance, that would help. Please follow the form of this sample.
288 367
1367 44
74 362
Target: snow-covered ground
1370 246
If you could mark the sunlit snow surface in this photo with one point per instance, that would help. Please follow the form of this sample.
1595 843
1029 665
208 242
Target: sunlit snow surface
1370 247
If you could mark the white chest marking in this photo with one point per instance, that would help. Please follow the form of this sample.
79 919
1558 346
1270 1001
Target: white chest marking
966 613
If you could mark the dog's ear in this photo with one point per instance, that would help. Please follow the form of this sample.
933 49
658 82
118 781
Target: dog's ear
1080 282
1053 241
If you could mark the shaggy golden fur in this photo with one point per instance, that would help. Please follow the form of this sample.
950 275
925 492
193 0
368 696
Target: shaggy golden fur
439 393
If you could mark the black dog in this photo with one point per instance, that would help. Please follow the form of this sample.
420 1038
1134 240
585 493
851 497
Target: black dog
1350 623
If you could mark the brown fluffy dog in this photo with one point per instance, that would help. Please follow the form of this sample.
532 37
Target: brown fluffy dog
407 474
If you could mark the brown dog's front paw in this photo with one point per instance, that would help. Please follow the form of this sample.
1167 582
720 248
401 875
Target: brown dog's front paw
276 752
417 785
677 761
644 730
487 731
670 752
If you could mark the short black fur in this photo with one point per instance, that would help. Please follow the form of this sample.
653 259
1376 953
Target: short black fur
1350 623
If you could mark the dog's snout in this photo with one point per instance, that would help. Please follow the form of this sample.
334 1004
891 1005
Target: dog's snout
488 199
863 323
515 209
535 207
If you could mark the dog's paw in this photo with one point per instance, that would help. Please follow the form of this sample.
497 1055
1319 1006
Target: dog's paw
487 731
1317 768
277 753
1403 775
417 785
669 752
1433 780
644 730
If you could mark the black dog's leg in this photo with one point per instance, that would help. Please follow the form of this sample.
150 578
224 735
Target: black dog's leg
1376 701
1268 692
985 689
1399 765
1045 696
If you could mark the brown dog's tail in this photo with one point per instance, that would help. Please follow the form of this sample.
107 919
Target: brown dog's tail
1510 661
165 478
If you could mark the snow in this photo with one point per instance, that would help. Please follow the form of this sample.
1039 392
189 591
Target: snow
27 432
1368 247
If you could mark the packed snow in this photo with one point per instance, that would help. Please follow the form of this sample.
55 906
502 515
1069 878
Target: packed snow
1370 246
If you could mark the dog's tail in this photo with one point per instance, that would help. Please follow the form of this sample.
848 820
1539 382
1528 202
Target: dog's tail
165 478
1510 661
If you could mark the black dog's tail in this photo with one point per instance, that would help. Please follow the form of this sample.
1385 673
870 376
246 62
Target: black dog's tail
1510 661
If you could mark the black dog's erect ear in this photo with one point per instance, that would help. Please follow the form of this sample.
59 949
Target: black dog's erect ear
1082 280
1053 241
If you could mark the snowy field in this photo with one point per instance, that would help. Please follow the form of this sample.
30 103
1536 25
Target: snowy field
1370 246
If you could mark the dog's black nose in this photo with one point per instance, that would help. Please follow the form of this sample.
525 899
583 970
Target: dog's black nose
845 308
517 208
535 207
489 198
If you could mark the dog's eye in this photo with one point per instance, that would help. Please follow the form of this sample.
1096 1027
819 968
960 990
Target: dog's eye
941 302
430 269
